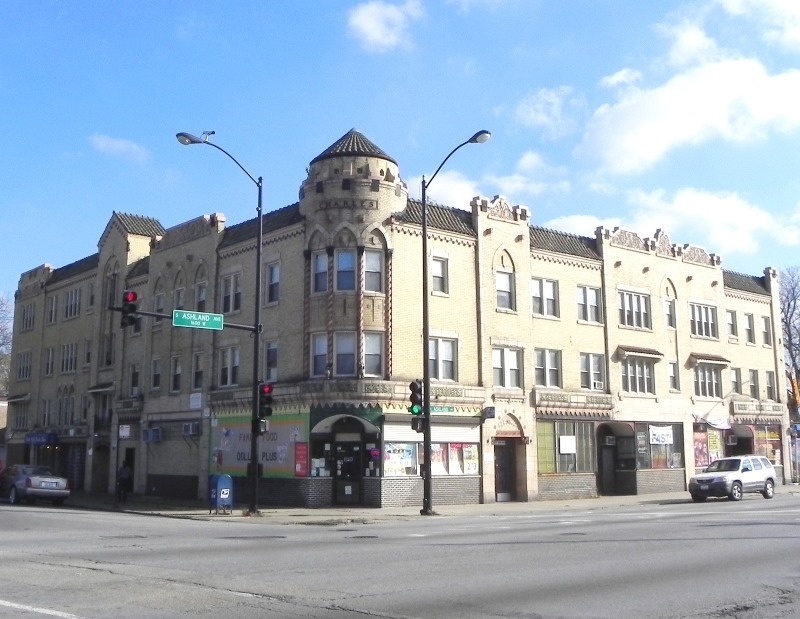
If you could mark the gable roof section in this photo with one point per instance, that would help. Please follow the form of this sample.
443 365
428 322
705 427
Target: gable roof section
352 143
563 243
439 217
274 220
138 268
83 265
140 225
745 283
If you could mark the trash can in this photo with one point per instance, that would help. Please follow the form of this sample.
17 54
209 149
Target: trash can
220 493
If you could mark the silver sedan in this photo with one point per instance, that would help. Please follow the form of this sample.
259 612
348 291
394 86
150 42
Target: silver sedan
31 482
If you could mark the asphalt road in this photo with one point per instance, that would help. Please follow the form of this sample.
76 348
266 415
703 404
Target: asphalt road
713 560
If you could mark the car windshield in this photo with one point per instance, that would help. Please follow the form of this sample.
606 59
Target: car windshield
723 465
38 470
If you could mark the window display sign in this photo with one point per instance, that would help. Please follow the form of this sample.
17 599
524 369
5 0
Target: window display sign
660 435
399 459
301 459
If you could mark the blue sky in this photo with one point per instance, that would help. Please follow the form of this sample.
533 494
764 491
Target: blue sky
683 116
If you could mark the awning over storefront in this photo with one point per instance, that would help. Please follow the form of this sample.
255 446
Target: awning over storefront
326 425
22 397
741 430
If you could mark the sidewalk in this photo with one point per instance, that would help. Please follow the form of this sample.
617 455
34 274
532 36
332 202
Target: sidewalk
198 510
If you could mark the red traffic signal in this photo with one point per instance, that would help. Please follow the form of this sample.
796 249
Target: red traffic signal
264 399
129 298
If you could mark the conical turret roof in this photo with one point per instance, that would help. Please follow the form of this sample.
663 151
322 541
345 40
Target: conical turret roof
352 143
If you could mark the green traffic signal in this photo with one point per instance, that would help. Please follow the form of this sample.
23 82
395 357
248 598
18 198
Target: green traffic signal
415 398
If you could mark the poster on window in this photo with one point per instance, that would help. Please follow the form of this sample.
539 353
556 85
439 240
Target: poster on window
660 435
470 459
701 449
399 459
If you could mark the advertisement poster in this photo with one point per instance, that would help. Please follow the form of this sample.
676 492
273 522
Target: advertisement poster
301 459
400 459
230 446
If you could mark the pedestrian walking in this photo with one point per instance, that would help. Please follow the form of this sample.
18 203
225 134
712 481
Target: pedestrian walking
124 482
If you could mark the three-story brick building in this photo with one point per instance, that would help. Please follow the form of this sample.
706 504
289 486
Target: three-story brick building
561 365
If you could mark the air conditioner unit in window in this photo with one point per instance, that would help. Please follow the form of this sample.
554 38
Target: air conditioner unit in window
191 428
610 440
598 385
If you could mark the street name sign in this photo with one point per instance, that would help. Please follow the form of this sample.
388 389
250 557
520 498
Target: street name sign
196 320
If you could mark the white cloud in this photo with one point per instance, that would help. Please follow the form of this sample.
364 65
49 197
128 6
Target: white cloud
623 77
583 225
779 19
549 109
730 99
119 148
532 177
726 222
381 26
690 44
450 188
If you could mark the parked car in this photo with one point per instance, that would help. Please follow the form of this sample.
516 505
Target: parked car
31 482
732 477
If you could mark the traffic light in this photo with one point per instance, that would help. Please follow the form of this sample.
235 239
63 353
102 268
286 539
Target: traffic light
418 424
415 398
264 400
129 298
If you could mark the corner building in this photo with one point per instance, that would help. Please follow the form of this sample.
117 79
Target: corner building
561 365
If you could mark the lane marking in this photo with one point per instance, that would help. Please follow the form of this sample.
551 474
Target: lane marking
41 611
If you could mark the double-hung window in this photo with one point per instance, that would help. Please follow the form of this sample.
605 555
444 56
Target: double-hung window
707 380
373 270
344 347
754 384
736 380
634 309
730 318
589 308
637 375
703 320
373 354
771 385
767 330
544 297
749 329
273 283
231 293
504 283
319 354
319 272
442 358
271 361
507 367
346 269
439 275
229 366
547 372
593 369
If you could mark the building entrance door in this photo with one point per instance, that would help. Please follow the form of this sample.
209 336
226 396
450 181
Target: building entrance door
505 479
347 471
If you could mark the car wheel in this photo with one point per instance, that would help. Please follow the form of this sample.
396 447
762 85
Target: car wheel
697 498
736 491
769 489
13 496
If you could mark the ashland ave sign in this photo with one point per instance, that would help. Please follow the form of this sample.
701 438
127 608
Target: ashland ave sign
196 320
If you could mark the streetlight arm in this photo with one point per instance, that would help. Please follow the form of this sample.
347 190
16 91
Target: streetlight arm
257 182
187 139
478 138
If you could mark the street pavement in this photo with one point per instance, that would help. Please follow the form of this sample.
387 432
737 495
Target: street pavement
199 510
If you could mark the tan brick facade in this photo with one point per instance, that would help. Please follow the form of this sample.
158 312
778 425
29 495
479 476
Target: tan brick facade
539 389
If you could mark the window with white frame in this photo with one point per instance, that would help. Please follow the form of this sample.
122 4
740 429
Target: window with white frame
593 371
175 383
273 282
159 302
736 380
547 372
24 365
319 354
637 374
344 350
155 374
229 366
28 317
52 309
345 269
730 318
771 385
589 307
674 376
319 272
373 270
69 357
439 274
749 329
504 282
271 361
707 380
373 354
703 320
197 371
442 358
634 309
48 361
766 330
231 293
544 296
200 296
754 384
669 313
507 367
72 303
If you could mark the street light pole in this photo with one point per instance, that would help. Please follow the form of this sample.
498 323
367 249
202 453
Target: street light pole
427 498
187 139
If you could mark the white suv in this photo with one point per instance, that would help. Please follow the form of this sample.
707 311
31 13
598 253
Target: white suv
732 477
